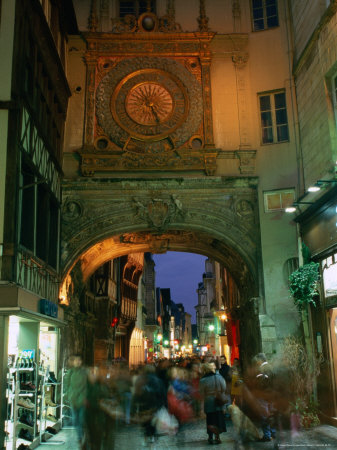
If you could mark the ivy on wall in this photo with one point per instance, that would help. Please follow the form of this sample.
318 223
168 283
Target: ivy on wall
303 285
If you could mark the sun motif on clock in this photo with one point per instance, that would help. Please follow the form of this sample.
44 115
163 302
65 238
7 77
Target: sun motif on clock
149 104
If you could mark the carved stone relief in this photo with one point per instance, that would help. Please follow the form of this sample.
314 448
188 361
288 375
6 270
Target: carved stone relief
205 214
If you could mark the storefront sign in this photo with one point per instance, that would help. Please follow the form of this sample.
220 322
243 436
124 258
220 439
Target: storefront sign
27 354
48 308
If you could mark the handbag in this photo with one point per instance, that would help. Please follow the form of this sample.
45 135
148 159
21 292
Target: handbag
221 398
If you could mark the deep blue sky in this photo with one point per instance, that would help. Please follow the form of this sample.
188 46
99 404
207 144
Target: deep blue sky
181 272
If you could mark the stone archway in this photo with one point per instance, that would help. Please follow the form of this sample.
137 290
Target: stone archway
216 217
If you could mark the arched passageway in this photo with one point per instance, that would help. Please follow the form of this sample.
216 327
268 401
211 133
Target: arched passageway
216 218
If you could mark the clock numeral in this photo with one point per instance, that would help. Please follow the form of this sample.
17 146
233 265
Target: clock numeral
122 115
180 103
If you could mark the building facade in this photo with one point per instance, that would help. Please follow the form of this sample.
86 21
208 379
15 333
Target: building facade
168 126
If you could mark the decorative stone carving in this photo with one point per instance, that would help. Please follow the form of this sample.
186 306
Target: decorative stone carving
147 22
159 212
247 161
72 210
93 20
240 60
245 212
202 19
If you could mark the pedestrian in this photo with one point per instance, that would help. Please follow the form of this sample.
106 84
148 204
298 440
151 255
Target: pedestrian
76 382
211 386
262 389
149 396
237 383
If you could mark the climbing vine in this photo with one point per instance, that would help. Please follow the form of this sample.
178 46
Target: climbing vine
303 285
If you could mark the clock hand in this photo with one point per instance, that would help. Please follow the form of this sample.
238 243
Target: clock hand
154 113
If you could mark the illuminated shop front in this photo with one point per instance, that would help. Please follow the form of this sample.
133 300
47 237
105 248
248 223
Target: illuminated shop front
32 369
318 225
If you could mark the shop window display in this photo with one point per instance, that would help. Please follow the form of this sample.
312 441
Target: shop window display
33 391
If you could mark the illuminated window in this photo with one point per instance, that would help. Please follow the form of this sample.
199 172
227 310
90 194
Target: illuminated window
274 120
278 200
329 269
264 14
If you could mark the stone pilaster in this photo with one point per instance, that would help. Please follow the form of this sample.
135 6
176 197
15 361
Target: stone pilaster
240 62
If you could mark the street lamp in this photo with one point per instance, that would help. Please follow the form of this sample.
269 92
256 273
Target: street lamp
211 327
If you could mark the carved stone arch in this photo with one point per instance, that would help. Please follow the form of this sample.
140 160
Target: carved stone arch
216 217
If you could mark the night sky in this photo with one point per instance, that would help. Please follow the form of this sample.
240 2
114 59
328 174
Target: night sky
181 272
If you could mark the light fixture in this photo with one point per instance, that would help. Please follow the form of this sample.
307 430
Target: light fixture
290 209
211 327
223 317
314 188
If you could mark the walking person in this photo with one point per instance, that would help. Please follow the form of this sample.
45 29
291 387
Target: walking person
212 386
76 382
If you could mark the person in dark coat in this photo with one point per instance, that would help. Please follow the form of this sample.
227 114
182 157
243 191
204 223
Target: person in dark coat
212 383
148 398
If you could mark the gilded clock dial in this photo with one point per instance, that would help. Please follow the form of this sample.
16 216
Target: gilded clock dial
149 103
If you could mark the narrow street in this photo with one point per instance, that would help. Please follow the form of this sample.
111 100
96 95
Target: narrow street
195 437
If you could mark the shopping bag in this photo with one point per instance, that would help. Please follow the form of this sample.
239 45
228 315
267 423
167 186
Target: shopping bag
164 422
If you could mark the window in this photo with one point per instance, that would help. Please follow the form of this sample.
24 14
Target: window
264 14
134 7
278 200
274 121
39 229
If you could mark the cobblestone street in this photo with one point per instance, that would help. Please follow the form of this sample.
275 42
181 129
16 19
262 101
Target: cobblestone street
195 437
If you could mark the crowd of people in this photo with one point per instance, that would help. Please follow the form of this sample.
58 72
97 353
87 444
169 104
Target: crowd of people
166 396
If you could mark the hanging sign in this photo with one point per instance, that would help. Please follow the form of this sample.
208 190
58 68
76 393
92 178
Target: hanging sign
48 308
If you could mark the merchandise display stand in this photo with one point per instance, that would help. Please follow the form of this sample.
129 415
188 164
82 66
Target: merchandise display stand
23 416
64 406
44 433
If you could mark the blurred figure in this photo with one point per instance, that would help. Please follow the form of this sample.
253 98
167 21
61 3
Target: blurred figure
123 383
179 395
76 382
95 417
237 383
261 387
212 383
195 382
148 397
225 369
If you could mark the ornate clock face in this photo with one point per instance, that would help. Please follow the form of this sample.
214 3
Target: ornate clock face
149 105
